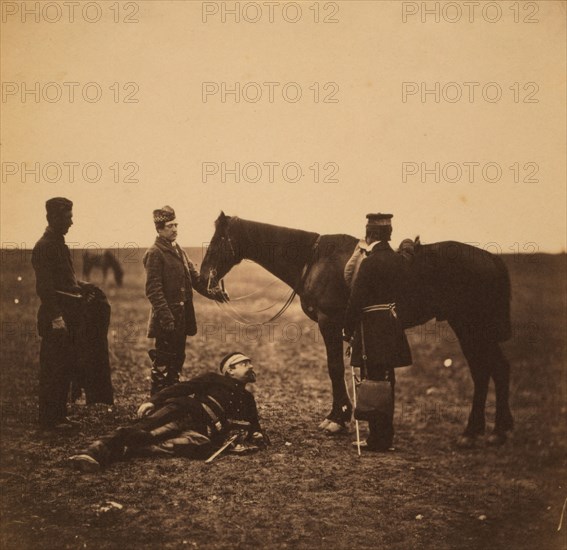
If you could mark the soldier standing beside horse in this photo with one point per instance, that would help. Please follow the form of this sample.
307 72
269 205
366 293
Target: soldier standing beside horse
170 279
381 345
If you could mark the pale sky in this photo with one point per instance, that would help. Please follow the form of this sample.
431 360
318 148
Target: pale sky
369 134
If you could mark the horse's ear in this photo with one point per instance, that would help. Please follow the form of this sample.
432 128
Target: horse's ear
221 220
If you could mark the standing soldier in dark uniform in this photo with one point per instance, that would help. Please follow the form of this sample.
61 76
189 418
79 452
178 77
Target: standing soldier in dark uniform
170 279
372 311
190 419
62 320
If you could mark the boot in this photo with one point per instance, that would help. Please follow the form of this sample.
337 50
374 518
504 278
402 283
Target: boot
161 368
173 373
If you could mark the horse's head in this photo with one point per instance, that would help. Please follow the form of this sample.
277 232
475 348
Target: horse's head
222 253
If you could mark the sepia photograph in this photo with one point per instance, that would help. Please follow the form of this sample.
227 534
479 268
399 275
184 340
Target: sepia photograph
283 274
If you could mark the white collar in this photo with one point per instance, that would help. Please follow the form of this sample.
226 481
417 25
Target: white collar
367 247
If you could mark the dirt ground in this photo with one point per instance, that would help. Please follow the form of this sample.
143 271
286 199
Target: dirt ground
307 490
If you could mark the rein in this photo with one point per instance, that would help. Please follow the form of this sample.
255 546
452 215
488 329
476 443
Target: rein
293 293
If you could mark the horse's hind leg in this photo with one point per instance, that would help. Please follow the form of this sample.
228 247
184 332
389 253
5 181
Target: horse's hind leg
342 409
479 365
504 422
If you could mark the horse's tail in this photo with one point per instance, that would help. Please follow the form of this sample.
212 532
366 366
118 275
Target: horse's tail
503 298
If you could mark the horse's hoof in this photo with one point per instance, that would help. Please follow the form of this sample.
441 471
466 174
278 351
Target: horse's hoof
466 442
333 428
496 439
324 424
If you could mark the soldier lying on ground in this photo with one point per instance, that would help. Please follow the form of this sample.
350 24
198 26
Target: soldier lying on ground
192 419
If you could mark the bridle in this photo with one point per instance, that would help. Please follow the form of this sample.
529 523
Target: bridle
213 272
236 315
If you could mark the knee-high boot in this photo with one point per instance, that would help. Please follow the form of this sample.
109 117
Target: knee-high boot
162 366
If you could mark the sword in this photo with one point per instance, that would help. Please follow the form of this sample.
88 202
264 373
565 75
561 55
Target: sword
354 400
227 444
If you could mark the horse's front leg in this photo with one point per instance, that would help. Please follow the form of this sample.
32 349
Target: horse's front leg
341 411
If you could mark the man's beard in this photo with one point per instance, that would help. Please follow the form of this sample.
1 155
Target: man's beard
60 227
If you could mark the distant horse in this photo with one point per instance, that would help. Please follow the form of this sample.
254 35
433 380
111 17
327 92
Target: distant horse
104 262
468 287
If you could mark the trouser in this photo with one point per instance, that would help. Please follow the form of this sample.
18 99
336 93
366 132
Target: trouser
167 359
182 420
381 428
57 360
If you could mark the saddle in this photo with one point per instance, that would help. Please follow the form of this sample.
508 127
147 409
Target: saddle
408 248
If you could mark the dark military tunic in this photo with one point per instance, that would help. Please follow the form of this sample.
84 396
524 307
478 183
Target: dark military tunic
378 287
51 260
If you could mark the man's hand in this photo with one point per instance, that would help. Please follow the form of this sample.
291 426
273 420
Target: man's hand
347 337
239 426
58 324
145 409
221 296
89 291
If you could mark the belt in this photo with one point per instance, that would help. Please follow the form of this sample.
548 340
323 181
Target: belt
214 411
382 307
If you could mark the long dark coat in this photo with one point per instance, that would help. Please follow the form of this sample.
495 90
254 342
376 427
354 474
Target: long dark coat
170 280
381 280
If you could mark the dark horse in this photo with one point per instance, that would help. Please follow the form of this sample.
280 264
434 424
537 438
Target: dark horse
104 262
452 281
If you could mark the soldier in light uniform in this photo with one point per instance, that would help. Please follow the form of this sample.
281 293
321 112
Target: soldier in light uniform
371 312
170 280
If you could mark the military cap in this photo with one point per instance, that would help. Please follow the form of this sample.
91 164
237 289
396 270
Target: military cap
232 359
58 205
164 214
378 220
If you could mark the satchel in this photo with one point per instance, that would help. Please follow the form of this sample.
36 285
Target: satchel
373 397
